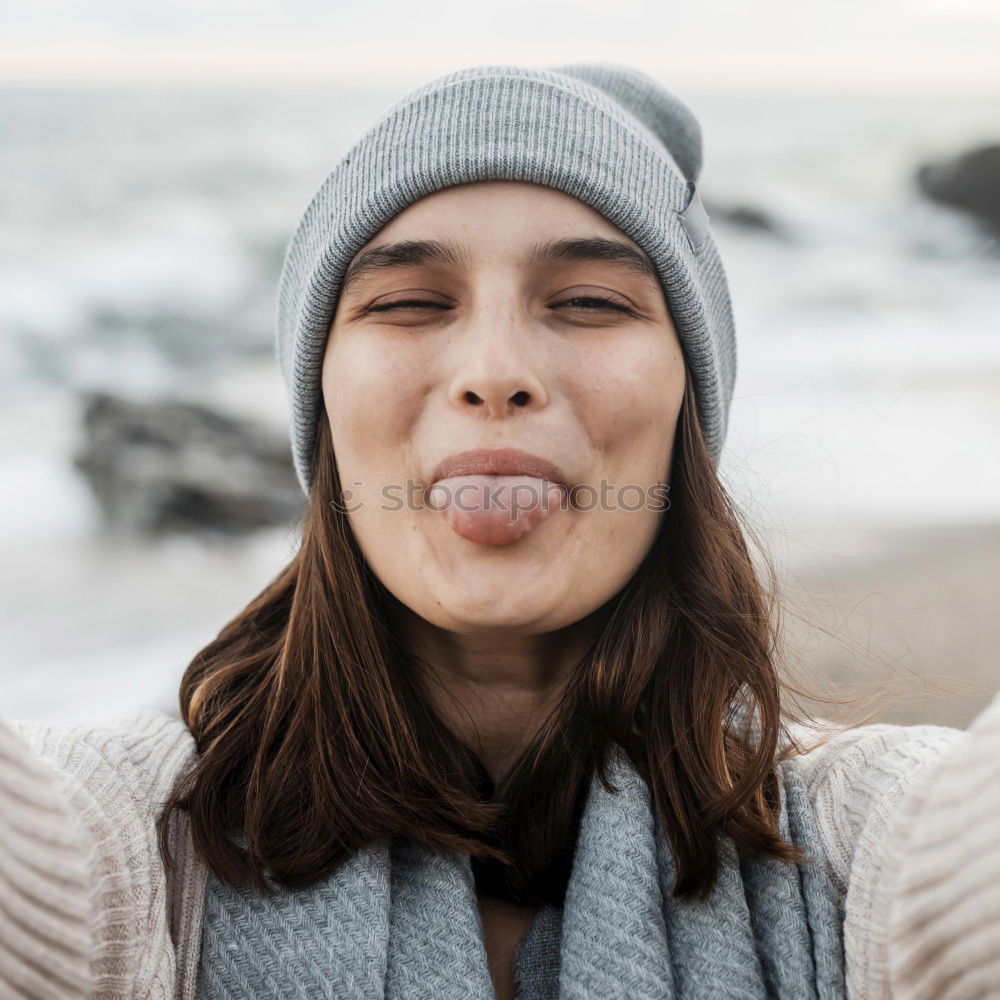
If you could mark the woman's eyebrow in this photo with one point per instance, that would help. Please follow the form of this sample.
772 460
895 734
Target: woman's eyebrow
415 252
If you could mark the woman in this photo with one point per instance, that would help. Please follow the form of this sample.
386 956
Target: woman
509 724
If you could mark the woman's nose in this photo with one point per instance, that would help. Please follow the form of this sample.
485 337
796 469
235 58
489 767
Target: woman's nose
497 369
519 398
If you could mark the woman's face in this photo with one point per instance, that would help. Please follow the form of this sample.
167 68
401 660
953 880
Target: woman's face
473 328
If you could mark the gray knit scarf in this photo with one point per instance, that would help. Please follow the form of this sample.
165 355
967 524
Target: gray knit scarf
399 922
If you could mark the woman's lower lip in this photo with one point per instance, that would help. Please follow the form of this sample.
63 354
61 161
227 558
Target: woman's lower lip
494 510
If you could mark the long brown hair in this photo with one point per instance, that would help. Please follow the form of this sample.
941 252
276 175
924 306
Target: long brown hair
316 736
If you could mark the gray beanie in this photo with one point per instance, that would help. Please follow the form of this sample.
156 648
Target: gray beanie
608 135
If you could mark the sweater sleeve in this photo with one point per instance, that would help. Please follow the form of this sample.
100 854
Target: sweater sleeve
858 781
47 899
941 894
83 908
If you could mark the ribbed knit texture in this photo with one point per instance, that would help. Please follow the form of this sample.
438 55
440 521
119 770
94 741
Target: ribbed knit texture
48 911
906 815
85 907
401 923
943 906
608 135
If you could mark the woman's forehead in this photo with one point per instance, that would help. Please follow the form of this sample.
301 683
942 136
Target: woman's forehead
511 208
531 223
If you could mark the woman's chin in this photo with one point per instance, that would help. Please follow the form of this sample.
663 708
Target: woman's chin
491 605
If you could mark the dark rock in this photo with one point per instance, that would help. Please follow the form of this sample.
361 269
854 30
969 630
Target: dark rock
162 466
749 217
969 182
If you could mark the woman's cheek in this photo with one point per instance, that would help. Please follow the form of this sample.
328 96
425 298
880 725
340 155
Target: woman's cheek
622 400
372 391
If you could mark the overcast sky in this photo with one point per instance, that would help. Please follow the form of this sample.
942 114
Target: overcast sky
938 45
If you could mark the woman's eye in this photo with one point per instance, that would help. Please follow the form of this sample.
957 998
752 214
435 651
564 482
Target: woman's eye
586 303
597 303
405 304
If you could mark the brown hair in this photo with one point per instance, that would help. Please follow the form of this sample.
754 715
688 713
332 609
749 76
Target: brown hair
316 736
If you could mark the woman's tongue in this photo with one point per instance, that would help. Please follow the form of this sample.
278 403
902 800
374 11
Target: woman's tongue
494 510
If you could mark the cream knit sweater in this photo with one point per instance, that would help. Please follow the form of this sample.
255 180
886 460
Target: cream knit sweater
909 816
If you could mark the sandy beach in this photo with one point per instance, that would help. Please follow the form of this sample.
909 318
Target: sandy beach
912 615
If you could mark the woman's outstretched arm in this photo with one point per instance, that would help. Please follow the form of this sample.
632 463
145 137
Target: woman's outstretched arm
858 781
84 908
48 897
940 897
